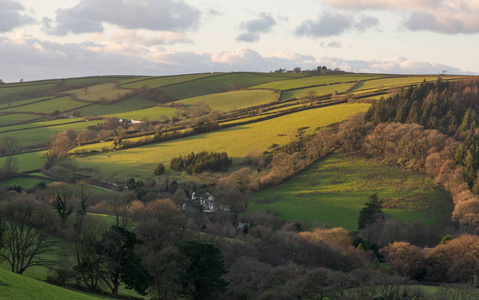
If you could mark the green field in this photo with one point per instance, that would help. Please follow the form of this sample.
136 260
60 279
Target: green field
132 103
165 80
236 141
28 161
335 189
32 133
152 113
391 82
16 118
14 286
46 107
321 90
9 93
233 100
108 91
220 84
311 81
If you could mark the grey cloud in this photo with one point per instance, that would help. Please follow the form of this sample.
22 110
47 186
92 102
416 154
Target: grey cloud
366 22
159 15
327 24
263 24
332 44
248 37
429 22
10 16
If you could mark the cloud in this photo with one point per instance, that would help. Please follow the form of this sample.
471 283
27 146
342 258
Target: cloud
248 37
132 37
10 16
333 24
332 44
263 24
24 56
442 16
89 16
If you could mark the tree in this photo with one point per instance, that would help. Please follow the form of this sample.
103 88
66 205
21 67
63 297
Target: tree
203 278
27 227
121 262
160 169
369 214
60 204
10 166
10 143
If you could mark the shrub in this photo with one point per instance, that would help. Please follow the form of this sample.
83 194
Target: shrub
160 169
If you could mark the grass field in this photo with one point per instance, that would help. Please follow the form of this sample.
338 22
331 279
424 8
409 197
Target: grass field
233 100
220 84
28 161
109 91
132 103
25 182
14 286
165 80
335 189
236 141
61 104
9 93
152 113
310 81
321 90
16 118
390 82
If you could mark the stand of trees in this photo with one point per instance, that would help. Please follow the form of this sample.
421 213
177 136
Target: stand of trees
201 162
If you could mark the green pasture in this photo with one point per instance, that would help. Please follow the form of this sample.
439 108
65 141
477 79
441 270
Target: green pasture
32 133
24 182
9 93
157 82
311 81
28 161
236 141
219 84
109 91
152 113
22 102
392 82
46 107
335 189
130 104
14 286
95 80
233 100
16 118
321 90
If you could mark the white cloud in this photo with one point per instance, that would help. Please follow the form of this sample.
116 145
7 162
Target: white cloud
158 15
166 38
10 16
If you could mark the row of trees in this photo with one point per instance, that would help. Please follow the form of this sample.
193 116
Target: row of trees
201 162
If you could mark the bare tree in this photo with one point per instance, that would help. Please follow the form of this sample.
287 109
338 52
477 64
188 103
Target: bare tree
27 227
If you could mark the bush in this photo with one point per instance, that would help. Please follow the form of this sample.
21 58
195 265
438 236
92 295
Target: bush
160 169
201 162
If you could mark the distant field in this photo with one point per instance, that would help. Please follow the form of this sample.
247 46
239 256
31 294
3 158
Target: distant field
24 182
390 82
31 135
152 113
311 81
220 84
28 161
335 189
165 80
21 102
9 93
322 90
233 100
61 104
130 104
15 118
236 141
14 286
109 91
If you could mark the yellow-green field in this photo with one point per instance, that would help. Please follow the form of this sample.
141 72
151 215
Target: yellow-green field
391 82
46 107
165 80
109 91
310 81
28 161
236 141
16 118
321 90
233 100
151 114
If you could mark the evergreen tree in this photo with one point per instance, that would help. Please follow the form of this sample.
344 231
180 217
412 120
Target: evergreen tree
371 212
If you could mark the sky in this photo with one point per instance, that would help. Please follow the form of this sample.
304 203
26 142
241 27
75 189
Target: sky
42 39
